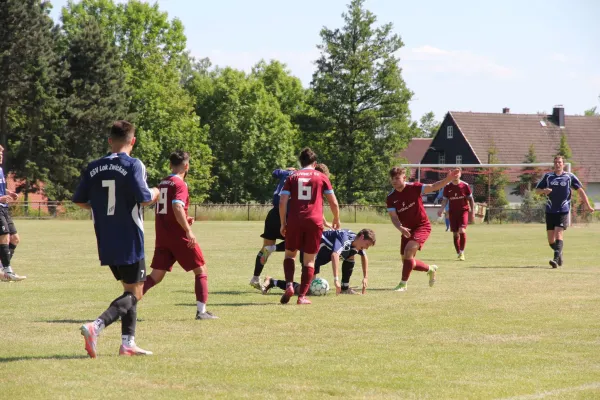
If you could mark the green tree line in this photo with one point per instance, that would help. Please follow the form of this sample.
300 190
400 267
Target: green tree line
63 84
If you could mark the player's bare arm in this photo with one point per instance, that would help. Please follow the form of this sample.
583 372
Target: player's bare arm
365 267
471 208
443 207
335 209
403 230
335 265
585 200
181 218
283 201
434 187
155 193
545 191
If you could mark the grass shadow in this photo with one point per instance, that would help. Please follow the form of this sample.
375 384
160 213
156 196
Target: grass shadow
65 321
509 267
226 304
55 357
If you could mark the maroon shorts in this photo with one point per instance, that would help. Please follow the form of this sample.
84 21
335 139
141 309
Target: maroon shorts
165 256
459 220
304 236
419 235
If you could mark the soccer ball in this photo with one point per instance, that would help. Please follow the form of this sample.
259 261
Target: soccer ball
319 287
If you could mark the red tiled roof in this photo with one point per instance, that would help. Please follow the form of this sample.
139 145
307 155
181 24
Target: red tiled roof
512 134
415 150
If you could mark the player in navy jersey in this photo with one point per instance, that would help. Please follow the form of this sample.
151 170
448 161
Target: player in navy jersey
114 188
302 223
272 229
335 245
273 225
175 240
557 186
9 238
406 210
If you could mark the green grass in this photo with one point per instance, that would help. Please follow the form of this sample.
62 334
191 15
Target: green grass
500 325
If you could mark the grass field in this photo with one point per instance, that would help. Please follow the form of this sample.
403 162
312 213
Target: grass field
501 325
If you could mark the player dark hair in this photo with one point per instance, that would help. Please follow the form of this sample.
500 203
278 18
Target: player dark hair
323 168
367 234
559 156
397 171
307 157
179 157
122 131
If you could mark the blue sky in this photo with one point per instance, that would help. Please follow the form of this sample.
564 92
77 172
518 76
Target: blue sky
459 55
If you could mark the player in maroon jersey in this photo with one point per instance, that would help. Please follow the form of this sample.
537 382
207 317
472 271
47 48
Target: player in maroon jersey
461 207
175 240
405 206
302 224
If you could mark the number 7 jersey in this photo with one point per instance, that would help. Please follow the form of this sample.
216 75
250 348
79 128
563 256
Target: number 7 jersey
173 190
115 186
306 188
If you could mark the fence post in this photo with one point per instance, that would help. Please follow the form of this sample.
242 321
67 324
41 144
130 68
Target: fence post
355 213
39 209
195 210
248 211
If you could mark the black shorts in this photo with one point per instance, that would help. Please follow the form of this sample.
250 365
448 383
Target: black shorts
557 220
272 225
130 273
7 226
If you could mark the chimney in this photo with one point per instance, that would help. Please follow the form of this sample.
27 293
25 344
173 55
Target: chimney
558 115
506 110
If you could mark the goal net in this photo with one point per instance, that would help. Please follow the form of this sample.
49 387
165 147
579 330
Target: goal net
502 192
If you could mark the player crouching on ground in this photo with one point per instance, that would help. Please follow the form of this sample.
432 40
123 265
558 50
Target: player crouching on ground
343 244
175 240
405 207
460 211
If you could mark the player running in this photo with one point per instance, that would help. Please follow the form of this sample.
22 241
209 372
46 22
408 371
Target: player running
406 210
302 227
175 240
343 244
557 186
458 196
114 187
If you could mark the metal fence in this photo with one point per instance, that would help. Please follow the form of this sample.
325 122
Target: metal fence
257 212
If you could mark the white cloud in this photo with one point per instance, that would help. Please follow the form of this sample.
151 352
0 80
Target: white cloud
431 59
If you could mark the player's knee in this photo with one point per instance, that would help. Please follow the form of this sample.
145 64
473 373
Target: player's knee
5 239
15 239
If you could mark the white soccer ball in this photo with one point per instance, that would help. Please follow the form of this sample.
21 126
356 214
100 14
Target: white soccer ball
319 287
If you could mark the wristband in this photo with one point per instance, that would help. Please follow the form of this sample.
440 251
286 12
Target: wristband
336 278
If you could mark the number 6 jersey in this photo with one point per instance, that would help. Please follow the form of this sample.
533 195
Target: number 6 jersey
114 186
306 188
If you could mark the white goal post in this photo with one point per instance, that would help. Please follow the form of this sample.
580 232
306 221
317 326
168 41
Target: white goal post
417 168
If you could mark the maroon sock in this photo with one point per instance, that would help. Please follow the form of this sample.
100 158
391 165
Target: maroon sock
149 283
201 288
457 243
289 267
463 241
307 277
407 267
421 266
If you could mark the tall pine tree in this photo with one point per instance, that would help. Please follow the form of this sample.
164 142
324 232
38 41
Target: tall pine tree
362 103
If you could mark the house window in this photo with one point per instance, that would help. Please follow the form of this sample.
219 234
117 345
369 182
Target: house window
441 158
459 159
450 132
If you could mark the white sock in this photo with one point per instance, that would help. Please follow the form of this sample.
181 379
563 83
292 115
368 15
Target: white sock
201 307
8 269
255 278
128 340
271 248
99 324
403 282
